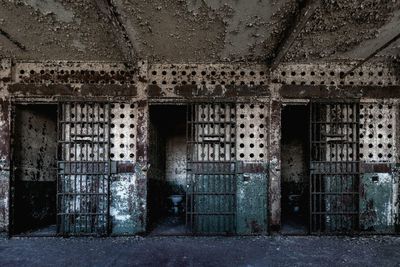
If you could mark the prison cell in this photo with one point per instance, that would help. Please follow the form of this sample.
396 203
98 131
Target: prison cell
334 167
83 168
211 193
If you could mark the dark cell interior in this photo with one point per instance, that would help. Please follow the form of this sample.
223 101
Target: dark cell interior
295 192
167 173
34 160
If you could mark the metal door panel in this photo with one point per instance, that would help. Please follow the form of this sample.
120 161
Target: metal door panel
211 193
334 167
83 168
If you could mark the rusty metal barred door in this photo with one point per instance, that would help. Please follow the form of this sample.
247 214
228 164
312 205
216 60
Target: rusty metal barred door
83 168
334 167
211 192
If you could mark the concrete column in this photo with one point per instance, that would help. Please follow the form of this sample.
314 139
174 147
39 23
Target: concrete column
275 159
142 145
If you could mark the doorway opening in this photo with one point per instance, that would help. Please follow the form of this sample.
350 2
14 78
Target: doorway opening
167 173
34 170
294 153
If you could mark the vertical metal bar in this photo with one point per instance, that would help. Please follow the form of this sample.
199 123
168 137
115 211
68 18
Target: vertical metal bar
235 171
73 178
58 207
356 153
311 136
108 159
321 177
188 157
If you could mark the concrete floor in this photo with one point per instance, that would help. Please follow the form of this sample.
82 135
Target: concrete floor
170 226
201 251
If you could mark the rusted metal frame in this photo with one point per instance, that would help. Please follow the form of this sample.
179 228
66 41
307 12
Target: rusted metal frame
193 154
108 158
59 153
235 166
189 130
12 181
315 109
96 163
306 10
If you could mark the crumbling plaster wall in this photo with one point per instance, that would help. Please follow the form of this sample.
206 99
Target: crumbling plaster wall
194 30
247 80
54 29
176 161
342 29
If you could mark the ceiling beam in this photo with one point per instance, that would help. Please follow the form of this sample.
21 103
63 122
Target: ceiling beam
12 40
110 10
306 9
374 53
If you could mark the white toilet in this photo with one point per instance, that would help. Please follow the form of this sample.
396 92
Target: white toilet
176 201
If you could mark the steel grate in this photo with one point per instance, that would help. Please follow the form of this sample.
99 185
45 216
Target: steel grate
334 167
211 194
83 168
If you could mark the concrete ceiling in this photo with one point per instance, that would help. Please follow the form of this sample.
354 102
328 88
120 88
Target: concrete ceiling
193 30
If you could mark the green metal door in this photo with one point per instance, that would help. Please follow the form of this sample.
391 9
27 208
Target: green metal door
211 192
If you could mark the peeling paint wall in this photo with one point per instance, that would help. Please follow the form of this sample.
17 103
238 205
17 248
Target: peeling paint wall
125 205
34 181
56 30
252 166
378 202
245 83
127 202
192 30
35 160
379 209
5 136
175 173
294 144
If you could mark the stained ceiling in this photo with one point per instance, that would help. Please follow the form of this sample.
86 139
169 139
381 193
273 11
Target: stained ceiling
195 30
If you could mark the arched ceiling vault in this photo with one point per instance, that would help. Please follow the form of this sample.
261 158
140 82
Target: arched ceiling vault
181 31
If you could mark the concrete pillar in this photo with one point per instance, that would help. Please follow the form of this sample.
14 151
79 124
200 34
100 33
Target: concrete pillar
142 145
275 159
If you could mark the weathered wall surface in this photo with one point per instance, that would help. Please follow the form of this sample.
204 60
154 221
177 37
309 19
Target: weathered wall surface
34 176
175 172
35 143
54 29
294 145
186 82
5 120
342 29
192 30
